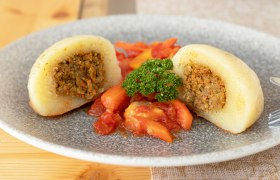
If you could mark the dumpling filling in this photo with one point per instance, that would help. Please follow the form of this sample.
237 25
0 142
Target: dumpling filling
204 91
81 75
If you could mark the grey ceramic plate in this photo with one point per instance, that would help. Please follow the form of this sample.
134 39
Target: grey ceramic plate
71 134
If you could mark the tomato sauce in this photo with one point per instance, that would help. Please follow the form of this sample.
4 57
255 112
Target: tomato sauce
139 114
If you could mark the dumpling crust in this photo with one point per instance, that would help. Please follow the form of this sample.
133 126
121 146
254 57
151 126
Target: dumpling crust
63 63
244 99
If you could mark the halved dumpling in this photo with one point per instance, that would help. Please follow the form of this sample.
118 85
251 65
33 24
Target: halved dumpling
71 73
219 87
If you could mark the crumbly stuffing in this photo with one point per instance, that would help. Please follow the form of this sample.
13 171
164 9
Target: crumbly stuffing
80 75
204 90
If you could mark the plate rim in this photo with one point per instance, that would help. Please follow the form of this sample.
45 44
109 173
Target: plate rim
142 161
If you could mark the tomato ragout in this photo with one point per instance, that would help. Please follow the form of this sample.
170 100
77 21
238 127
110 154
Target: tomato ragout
139 114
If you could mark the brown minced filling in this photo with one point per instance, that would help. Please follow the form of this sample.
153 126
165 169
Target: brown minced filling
80 75
204 91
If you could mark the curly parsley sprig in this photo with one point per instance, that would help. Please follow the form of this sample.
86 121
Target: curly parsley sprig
154 76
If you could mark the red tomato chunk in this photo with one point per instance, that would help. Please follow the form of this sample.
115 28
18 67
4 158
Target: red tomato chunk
107 123
97 108
115 99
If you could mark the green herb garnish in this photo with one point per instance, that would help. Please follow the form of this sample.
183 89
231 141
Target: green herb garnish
154 76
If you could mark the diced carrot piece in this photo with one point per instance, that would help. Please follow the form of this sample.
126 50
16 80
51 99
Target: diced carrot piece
115 99
141 44
140 59
174 51
156 50
184 116
164 49
157 130
166 52
141 125
159 52
155 43
169 42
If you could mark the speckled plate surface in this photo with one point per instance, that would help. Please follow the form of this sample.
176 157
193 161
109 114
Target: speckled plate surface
71 134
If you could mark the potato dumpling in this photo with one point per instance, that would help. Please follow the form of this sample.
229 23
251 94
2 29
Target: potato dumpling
71 73
219 87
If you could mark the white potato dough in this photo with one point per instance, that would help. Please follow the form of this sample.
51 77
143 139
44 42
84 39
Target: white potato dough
41 84
244 96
